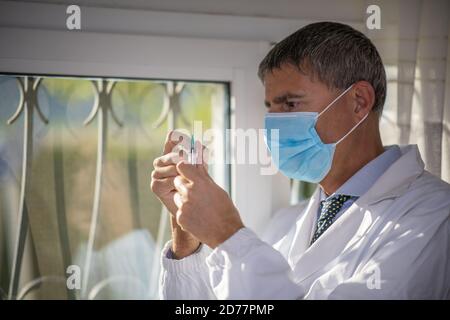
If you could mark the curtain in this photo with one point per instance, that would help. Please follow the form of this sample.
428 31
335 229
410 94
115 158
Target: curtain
414 44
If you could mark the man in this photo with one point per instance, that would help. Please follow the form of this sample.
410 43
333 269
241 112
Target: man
377 225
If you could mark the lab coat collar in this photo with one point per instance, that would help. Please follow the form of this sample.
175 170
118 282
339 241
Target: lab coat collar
397 178
364 179
354 223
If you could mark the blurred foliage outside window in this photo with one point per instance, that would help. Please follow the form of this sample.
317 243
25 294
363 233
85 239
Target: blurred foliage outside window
132 225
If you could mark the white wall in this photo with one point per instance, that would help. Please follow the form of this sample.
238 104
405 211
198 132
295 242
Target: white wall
347 10
213 19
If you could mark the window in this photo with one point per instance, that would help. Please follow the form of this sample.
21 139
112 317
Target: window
82 198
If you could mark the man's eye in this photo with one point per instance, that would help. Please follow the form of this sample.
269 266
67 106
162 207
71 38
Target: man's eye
291 104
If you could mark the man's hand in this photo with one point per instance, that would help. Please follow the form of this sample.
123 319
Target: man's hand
164 173
162 185
204 209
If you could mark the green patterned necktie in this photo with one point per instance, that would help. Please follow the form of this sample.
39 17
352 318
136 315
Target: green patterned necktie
329 208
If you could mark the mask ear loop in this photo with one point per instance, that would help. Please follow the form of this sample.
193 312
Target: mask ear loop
357 125
332 102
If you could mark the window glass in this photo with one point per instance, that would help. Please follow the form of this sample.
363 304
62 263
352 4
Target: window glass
87 214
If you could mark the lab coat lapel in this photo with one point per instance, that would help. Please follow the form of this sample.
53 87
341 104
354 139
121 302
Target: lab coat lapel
304 229
331 243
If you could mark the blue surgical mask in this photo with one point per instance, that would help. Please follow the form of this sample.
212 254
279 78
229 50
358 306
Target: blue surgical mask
295 146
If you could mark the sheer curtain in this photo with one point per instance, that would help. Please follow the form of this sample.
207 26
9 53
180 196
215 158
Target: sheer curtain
414 44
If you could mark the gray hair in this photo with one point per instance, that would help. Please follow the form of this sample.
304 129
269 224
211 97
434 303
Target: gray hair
334 52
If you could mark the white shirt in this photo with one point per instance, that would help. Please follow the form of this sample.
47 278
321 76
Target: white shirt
392 243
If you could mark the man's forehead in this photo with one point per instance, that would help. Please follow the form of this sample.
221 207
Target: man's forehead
289 80
287 83
285 71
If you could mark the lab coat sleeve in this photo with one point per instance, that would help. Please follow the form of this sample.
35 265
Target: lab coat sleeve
245 267
185 278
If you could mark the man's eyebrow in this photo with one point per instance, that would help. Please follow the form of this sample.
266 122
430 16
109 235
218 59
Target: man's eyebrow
284 97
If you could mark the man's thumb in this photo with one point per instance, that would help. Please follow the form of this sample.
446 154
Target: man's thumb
188 171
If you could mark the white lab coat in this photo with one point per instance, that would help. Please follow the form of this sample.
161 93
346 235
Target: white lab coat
392 243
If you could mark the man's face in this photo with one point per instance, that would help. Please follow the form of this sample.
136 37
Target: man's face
289 90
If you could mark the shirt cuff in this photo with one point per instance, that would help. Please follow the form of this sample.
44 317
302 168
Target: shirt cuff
193 262
237 246
170 254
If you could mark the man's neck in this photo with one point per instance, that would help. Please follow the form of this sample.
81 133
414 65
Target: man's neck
352 160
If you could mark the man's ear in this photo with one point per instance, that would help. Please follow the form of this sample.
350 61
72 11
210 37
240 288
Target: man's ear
365 98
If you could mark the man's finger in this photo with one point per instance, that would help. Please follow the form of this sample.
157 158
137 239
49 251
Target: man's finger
176 138
178 200
180 185
165 184
190 171
202 154
168 159
164 172
169 144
